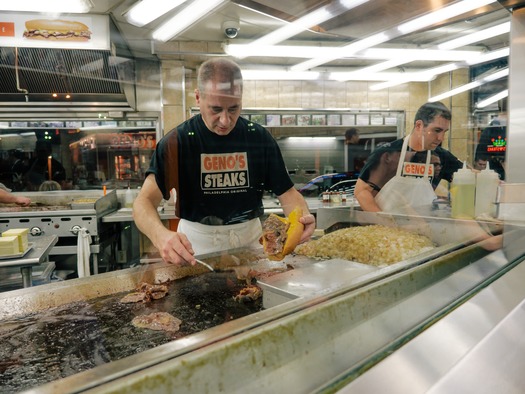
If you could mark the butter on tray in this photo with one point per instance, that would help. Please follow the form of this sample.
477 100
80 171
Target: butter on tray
9 246
21 234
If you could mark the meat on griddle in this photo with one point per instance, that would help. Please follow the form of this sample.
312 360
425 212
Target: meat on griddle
274 232
248 294
158 321
145 292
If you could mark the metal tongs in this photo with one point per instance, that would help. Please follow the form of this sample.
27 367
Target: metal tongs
205 264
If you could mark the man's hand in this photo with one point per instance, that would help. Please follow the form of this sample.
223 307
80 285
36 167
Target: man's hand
22 201
309 227
175 248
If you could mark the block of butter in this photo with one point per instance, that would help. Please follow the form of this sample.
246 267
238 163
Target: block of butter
9 246
22 234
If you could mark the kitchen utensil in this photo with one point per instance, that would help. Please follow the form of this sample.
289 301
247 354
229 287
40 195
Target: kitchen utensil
205 264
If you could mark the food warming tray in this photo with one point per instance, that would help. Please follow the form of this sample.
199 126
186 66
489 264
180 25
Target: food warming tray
315 279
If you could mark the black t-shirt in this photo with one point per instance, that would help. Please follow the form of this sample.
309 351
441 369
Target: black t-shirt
219 176
449 162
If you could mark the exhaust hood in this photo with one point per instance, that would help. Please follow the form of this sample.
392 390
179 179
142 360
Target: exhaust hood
65 78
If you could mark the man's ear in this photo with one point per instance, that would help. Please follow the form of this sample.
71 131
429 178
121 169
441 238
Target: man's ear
197 96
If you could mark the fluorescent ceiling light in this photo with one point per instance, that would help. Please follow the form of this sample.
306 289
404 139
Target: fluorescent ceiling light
367 72
401 58
418 23
417 54
184 19
306 22
146 11
294 51
344 51
469 86
425 75
251 50
487 57
497 75
442 14
476 37
48 6
291 29
279 75
499 96
428 74
375 76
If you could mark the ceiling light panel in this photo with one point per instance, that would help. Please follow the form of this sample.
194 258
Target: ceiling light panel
308 21
147 11
185 18
499 96
472 85
494 31
442 14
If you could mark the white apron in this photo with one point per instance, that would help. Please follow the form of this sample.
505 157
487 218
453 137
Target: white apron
406 194
208 239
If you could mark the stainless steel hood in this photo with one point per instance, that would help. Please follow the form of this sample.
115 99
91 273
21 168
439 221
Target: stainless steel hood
85 82
85 75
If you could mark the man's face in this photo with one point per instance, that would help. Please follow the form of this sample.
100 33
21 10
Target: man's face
436 161
481 164
434 132
219 109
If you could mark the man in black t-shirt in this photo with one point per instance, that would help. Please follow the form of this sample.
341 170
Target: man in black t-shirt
218 165
431 122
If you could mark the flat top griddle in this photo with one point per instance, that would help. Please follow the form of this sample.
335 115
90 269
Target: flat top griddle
34 208
46 346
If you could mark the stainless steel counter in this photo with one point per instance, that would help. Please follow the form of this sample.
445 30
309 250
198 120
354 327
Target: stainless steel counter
477 348
340 332
126 215
38 254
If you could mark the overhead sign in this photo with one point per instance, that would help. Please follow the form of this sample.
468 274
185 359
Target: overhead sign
70 31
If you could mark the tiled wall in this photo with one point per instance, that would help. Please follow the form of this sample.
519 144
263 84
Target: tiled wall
178 85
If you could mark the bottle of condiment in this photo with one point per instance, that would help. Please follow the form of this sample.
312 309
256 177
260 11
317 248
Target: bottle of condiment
335 197
128 198
462 193
487 182
326 197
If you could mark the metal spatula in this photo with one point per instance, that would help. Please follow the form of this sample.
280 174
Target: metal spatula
205 264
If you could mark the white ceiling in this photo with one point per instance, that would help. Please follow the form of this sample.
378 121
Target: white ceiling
257 18
260 17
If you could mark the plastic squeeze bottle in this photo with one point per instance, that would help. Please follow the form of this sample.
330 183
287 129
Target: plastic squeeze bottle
462 193
128 198
487 182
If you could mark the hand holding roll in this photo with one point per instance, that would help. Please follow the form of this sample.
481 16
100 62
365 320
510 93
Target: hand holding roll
281 235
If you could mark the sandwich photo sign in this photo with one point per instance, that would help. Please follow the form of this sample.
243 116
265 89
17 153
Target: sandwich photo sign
63 31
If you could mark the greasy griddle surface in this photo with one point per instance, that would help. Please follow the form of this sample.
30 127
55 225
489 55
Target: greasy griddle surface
34 208
59 342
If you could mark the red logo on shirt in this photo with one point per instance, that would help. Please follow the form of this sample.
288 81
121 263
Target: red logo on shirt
224 171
